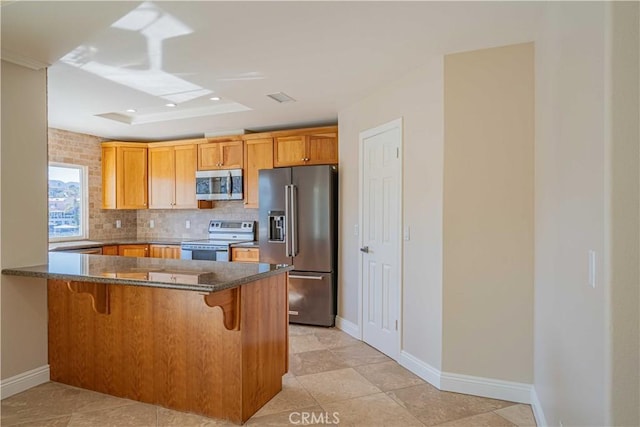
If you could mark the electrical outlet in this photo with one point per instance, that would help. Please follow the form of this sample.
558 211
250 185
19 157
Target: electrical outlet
356 230
152 223
560 422
187 224
118 223
407 233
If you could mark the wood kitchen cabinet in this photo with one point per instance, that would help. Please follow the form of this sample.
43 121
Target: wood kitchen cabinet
139 251
110 250
124 175
221 153
172 175
316 146
258 154
240 254
164 251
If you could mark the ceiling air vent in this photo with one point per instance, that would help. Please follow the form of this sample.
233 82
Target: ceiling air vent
281 97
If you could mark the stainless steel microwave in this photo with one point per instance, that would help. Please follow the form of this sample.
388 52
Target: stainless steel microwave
219 185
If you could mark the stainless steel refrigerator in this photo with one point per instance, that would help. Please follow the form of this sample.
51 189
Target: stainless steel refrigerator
298 226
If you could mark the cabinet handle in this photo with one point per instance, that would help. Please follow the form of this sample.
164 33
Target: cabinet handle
293 276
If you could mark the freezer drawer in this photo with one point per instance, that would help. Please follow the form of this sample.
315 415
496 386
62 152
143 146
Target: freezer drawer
311 298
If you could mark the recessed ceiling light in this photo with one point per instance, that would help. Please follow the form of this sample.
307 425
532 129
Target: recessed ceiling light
171 104
131 110
215 98
281 97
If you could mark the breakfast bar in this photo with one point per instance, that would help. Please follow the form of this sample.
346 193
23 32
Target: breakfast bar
196 336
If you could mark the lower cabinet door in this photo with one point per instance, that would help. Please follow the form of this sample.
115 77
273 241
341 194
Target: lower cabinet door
139 251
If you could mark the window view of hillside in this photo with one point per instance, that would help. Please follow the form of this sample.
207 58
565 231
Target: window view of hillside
65 202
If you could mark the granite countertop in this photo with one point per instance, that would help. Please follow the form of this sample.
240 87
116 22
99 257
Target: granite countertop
86 244
202 276
148 241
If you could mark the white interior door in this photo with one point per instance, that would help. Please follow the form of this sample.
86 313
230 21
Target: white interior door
381 193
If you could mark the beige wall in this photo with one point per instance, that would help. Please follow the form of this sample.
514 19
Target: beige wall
624 243
571 318
488 213
85 150
417 98
23 218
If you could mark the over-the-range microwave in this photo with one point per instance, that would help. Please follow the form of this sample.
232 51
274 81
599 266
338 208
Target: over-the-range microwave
219 185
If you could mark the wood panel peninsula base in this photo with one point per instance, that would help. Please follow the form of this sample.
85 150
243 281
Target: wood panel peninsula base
221 354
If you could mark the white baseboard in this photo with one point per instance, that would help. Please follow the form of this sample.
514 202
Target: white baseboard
420 368
349 327
486 387
538 413
24 381
467 384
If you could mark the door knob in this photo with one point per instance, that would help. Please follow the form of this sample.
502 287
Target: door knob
365 249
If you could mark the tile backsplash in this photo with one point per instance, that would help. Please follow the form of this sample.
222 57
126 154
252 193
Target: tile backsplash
172 223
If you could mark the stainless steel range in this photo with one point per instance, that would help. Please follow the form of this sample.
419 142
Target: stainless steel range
221 235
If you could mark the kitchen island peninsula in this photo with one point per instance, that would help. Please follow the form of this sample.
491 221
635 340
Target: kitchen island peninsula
196 336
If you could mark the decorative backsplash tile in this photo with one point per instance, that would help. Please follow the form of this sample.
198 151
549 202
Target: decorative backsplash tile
172 223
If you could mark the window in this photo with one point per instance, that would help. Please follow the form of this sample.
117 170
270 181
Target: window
68 202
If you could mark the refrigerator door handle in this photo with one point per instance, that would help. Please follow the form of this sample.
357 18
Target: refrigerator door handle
287 217
293 276
294 220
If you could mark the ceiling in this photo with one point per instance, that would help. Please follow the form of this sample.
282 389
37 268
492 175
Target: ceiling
108 57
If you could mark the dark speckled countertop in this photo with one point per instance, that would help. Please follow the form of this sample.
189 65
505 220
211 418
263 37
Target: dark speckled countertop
202 276
86 244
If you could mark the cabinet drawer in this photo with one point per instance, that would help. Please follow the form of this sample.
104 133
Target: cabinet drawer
139 251
110 250
245 254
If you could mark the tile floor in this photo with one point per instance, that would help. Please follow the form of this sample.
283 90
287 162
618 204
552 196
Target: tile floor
333 379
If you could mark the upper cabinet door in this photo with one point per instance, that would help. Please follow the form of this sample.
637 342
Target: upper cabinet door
232 155
220 155
161 177
258 154
322 149
209 156
172 177
307 148
289 151
131 180
185 176
109 178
